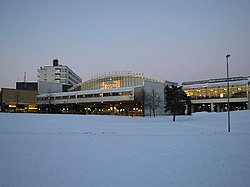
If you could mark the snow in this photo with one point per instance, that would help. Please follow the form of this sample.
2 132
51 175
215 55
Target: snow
112 151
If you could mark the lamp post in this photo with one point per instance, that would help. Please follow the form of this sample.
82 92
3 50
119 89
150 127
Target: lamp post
228 106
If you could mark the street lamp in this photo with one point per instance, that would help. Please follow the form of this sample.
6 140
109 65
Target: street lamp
228 107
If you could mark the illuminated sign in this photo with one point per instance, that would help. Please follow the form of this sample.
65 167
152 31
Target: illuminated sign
111 84
12 106
32 107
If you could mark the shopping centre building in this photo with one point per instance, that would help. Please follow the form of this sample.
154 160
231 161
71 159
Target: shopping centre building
117 93
211 95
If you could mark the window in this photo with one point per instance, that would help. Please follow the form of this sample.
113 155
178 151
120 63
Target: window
96 95
106 94
89 95
72 97
80 96
115 93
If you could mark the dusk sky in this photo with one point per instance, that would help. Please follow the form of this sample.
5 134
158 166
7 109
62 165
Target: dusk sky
176 40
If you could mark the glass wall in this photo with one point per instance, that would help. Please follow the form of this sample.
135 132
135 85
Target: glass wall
217 91
114 81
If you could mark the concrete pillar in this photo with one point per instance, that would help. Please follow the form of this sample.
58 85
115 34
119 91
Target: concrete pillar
248 96
212 107
248 89
248 103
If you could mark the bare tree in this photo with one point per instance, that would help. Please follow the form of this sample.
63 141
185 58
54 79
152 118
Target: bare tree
152 101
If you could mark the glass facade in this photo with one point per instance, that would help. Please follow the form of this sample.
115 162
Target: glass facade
217 92
114 81
211 95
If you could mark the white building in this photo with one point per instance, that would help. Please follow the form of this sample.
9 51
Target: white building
115 93
58 74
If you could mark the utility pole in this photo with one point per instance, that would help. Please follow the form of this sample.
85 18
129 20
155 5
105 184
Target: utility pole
228 106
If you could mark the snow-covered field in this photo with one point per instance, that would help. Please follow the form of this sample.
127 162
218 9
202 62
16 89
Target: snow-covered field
112 151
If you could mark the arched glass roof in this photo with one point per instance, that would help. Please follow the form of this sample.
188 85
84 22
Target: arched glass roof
114 80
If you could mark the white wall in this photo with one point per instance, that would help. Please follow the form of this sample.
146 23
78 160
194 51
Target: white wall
159 88
49 87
